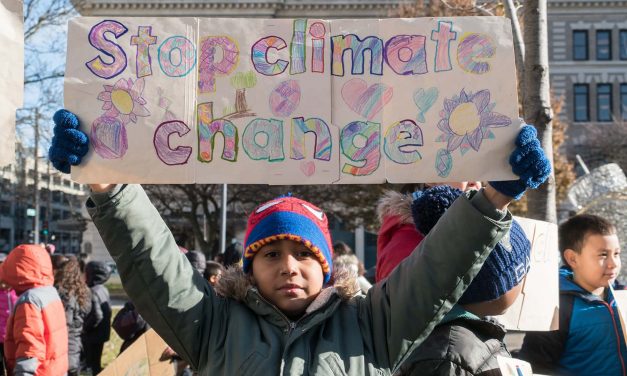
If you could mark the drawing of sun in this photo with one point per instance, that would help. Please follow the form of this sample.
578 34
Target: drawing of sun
124 100
466 120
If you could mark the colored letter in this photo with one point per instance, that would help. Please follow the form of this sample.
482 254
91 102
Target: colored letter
271 148
208 69
443 37
320 129
317 31
169 156
259 55
143 40
297 52
406 54
113 50
358 47
472 49
369 153
401 140
177 64
207 130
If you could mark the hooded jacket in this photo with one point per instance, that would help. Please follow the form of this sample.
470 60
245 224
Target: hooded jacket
590 338
244 334
397 236
36 338
97 325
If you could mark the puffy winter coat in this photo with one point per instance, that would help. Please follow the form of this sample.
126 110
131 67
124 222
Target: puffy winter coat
244 334
397 236
7 302
74 316
590 338
460 346
36 338
97 325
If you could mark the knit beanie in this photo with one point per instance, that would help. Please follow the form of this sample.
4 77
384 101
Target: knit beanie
292 219
505 267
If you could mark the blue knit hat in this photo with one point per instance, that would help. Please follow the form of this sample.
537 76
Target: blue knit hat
505 267
289 218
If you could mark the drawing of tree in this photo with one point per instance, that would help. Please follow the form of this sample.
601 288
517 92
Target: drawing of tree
242 81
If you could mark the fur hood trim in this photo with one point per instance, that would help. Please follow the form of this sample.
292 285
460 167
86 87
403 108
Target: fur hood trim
235 284
393 203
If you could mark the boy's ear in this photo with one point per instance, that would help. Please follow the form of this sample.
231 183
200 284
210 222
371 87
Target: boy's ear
570 256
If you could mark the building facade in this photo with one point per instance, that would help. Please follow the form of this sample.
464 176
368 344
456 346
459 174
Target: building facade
588 71
60 201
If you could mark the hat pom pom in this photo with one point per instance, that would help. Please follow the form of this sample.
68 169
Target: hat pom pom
428 207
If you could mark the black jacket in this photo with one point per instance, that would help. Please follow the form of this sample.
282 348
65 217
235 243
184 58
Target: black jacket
74 316
97 326
459 347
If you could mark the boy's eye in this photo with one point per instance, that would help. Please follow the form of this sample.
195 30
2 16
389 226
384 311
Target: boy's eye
304 253
271 254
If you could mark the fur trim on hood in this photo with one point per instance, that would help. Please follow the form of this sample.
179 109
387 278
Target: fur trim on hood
235 284
393 203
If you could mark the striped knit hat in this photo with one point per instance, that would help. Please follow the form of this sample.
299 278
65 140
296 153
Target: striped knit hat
292 219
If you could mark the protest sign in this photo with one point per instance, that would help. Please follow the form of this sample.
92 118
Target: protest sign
293 101
142 358
536 308
11 75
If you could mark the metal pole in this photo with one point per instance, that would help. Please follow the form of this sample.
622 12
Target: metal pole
223 227
36 180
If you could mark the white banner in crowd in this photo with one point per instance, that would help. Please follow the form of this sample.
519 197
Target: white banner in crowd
11 75
301 101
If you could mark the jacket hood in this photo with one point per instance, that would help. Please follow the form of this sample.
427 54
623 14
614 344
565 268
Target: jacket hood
27 266
235 284
97 273
395 204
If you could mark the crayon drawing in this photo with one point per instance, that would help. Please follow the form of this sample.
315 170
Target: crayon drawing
240 82
366 100
466 120
424 99
285 98
124 100
443 163
108 137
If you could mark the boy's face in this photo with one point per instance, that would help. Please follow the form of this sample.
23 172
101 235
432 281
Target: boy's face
289 275
598 263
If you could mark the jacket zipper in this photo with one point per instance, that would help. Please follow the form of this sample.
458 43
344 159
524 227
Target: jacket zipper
620 356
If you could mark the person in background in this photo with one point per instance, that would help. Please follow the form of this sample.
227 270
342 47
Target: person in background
97 325
351 264
213 272
341 248
8 297
590 338
76 298
36 332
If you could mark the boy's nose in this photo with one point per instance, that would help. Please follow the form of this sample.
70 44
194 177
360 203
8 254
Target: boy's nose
289 266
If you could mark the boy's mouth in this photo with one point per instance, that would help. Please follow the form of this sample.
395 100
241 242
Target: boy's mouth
290 287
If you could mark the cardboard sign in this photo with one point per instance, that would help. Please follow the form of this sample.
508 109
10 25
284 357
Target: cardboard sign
11 75
536 308
293 101
513 366
142 358
620 296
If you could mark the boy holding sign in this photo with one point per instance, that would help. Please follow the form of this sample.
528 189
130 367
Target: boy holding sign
278 314
590 339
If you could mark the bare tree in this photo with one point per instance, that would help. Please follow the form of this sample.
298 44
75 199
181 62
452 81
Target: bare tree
537 110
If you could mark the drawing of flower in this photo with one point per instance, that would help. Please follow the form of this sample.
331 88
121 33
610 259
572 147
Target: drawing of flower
466 120
124 100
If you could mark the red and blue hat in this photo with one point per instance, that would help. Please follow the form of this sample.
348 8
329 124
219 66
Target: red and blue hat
289 218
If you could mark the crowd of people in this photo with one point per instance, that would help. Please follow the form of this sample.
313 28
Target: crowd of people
450 258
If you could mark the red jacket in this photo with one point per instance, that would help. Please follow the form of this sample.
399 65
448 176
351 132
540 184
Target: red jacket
36 340
398 236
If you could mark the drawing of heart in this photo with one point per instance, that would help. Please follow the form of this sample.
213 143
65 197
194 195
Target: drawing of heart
108 136
308 167
424 99
366 100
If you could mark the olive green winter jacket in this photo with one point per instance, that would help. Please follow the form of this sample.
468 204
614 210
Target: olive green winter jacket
243 334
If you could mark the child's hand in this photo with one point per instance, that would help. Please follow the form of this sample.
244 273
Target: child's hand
69 144
529 162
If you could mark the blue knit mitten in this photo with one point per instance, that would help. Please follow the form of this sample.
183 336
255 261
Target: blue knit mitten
528 162
69 144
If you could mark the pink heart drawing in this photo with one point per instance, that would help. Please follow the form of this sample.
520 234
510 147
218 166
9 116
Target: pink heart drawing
108 137
308 167
366 100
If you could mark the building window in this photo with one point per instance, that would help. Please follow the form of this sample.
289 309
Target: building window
604 45
604 102
582 110
580 45
623 45
623 101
